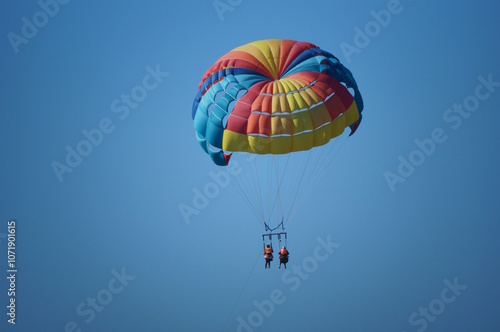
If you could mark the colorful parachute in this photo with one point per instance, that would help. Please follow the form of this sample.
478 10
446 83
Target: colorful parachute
274 97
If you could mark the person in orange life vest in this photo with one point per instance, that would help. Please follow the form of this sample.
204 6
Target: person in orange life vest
283 256
268 255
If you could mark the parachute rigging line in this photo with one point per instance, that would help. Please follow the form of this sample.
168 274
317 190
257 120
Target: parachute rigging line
326 162
242 289
275 228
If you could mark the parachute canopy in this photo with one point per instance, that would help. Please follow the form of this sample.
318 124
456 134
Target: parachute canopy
274 97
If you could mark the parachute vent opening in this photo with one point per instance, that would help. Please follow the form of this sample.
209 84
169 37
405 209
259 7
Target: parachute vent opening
213 148
218 96
351 91
241 93
210 108
230 86
230 107
329 96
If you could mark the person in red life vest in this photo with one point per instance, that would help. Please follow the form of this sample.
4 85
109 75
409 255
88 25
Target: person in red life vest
283 256
268 255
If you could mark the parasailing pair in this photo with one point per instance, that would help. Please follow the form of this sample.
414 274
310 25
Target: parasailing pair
270 104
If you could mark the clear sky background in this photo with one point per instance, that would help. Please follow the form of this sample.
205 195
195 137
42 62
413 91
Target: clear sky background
415 247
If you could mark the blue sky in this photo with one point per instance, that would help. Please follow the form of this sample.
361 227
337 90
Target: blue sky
400 232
